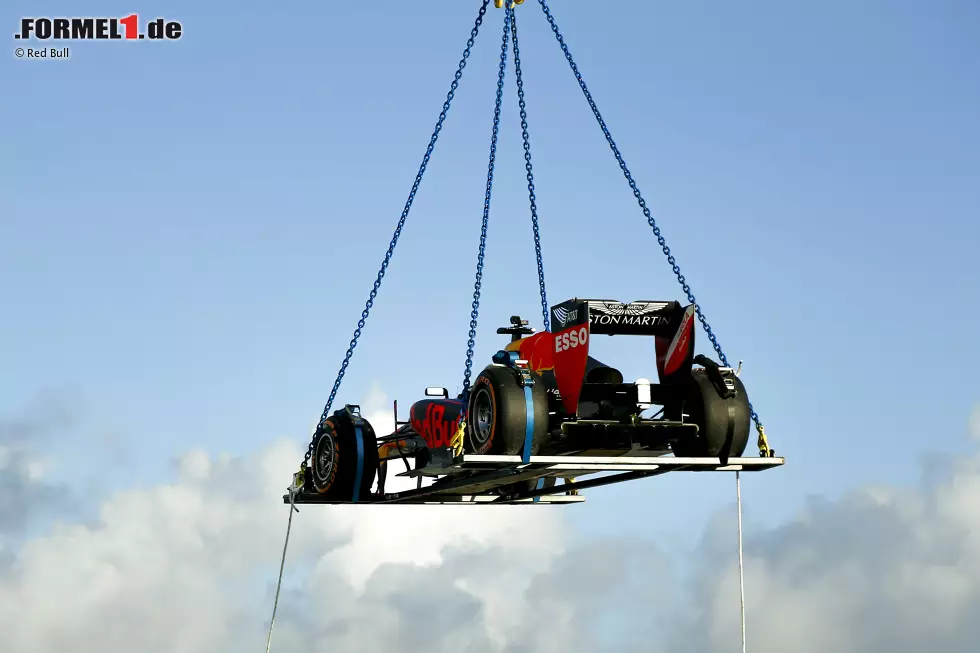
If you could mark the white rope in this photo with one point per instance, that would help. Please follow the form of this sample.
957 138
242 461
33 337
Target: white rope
741 576
282 565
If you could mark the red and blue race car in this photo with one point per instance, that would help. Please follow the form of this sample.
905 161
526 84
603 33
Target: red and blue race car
543 396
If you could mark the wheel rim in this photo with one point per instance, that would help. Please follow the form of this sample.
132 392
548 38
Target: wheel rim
324 460
482 420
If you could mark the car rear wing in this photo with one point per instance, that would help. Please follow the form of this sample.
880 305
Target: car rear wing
611 317
669 322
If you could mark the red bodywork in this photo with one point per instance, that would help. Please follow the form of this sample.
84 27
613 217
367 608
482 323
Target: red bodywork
566 351
436 420
675 352
566 354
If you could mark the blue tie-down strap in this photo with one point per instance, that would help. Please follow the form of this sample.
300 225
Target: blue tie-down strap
529 428
359 467
510 358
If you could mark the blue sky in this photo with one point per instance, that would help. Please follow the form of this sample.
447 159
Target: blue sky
189 230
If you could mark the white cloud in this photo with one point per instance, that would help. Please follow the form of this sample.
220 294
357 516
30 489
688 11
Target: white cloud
379 410
886 571
170 568
190 567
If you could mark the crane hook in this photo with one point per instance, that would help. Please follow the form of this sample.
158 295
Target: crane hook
510 5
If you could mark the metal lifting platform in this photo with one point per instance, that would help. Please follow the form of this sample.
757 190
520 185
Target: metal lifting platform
501 480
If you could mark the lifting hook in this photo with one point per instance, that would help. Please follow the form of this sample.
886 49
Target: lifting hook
510 4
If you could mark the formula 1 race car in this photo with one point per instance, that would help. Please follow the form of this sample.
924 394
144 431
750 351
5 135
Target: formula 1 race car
543 398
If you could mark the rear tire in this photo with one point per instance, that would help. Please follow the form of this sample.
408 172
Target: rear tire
496 416
723 424
335 458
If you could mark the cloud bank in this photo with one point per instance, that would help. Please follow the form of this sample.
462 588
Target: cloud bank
190 566
25 490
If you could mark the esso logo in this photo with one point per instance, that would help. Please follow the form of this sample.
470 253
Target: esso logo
571 339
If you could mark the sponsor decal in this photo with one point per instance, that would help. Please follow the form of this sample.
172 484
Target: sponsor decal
571 354
629 320
564 316
569 313
571 339
637 314
435 427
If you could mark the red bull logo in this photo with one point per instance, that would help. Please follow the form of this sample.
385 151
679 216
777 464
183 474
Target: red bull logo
436 421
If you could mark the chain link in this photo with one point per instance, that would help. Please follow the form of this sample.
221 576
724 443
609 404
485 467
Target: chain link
639 197
530 174
475 313
401 223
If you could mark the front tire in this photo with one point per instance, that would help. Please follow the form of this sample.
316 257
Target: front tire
496 420
337 463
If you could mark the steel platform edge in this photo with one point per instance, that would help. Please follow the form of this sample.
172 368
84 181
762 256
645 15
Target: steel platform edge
475 480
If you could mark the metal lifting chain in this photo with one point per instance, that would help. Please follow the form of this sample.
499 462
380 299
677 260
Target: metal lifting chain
763 444
530 175
401 223
475 313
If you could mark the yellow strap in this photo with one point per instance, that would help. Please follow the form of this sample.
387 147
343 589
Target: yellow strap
763 444
299 478
457 440
572 492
